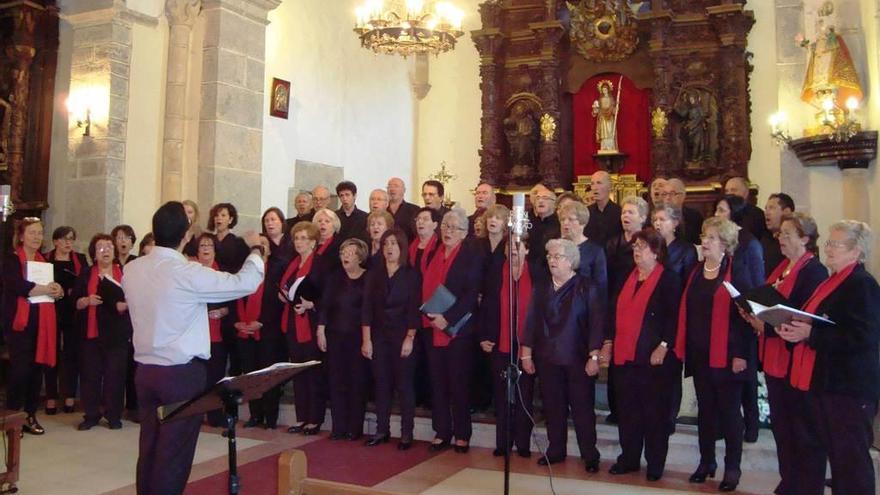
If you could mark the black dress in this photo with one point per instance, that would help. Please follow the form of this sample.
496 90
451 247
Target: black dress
68 335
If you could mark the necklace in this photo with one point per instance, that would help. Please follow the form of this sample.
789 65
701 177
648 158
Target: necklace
713 270
557 285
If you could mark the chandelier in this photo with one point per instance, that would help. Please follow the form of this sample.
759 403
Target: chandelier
408 27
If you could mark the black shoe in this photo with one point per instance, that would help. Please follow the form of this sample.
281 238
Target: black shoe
67 409
438 446
498 453
86 425
296 428
378 439
619 469
703 471
462 449
404 445
352 437
309 431
727 486
592 466
653 477
337 436
524 453
545 460
253 422
115 425
32 426
51 411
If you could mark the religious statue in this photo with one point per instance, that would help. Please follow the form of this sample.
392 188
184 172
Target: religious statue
699 129
523 134
605 110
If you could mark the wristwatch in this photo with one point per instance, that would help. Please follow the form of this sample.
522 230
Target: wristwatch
594 357
664 345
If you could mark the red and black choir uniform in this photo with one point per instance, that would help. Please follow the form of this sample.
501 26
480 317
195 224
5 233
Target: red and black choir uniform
681 256
66 273
482 382
131 403
710 334
105 335
775 357
837 367
419 258
450 358
644 318
563 327
391 309
230 254
309 395
347 369
495 310
619 255
30 331
215 368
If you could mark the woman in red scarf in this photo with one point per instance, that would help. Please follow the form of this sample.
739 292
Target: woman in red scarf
299 323
68 266
643 324
421 251
796 277
458 267
837 366
206 251
30 328
715 345
105 334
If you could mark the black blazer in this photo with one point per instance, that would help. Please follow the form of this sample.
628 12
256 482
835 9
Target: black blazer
231 253
681 256
391 305
64 275
490 290
661 319
341 307
692 225
14 285
563 326
593 265
354 225
605 224
847 360
405 218
463 281
748 259
811 275
114 329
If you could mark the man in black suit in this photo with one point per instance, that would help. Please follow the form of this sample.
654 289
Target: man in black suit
304 208
675 194
404 213
753 220
777 205
604 214
432 195
353 220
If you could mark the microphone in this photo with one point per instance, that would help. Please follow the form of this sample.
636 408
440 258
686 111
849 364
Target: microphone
6 206
519 221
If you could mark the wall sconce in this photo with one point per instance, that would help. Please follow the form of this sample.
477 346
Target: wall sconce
838 123
779 129
87 105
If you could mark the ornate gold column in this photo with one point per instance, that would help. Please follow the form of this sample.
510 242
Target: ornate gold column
181 16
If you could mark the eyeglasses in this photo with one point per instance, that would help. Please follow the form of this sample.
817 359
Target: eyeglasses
666 194
104 249
556 257
446 226
640 245
836 244
70 238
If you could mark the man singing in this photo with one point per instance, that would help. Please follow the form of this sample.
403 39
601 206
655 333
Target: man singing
167 297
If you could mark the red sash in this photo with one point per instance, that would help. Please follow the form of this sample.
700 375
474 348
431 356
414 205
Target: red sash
214 323
522 301
249 312
719 333
323 247
632 303
429 248
46 325
773 353
804 358
92 288
302 324
435 276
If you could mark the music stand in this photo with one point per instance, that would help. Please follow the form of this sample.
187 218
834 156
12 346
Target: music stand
228 394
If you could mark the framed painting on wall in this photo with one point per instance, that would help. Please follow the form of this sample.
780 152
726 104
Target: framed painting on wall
280 101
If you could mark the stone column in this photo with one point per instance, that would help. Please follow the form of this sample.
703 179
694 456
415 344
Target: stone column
232 105
855 194
99 64
181 15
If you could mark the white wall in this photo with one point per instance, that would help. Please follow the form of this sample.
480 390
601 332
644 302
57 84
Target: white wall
348 107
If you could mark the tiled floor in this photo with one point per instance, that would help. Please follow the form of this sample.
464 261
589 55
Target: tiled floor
101 461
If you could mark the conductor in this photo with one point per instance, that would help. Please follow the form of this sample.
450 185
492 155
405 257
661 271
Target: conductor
167 300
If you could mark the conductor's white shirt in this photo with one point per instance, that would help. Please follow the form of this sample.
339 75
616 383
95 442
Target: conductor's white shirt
167 299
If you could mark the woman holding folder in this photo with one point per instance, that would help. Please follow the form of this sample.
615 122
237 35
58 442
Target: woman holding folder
715 345
795 278
30 328
836 366
457 266
106 331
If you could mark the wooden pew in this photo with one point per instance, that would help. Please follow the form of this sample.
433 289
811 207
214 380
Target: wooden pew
11 423
293 479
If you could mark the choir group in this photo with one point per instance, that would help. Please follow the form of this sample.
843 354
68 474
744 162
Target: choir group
636 287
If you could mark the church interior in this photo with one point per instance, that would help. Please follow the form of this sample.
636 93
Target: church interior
110 108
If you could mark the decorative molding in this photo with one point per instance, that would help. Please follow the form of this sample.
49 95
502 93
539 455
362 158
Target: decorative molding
182 12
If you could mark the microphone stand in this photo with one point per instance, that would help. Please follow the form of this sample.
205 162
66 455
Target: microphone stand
512 372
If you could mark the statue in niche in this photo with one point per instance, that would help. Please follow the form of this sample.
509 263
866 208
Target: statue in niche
523 134
605 110
699 130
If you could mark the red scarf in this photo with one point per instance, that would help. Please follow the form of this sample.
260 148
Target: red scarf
46 326
249 312
214 323
302 324
803 358
720 325
92 288
426 253
632 303
773 353
77 266
435 276
323 247
522 302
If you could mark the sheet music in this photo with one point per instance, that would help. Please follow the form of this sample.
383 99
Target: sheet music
40 273
292 292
